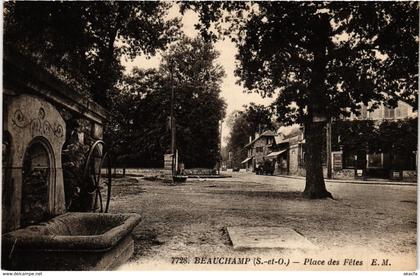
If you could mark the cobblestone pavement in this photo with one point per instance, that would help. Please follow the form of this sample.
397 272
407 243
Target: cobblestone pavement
190 220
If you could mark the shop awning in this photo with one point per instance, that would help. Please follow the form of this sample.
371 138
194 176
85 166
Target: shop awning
276 153
246 160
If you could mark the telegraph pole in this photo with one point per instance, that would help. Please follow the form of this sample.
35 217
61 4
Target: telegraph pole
173 128
329 163
220 147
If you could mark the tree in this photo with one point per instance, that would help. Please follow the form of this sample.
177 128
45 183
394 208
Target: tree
244 124
196 79
237 140
396 138
323 60
143 108
400 139
138 120
354 136
88 39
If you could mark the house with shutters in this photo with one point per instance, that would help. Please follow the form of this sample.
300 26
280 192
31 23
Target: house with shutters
361 162
283 150
289 155
350 163
258 149
286 150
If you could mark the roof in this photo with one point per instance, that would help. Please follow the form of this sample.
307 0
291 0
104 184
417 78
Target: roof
276 153
293 133
246 160
285 138
280 139
267 133
51 84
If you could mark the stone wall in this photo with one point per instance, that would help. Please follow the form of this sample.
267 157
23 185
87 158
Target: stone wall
159 171
410 176
29 121
139 171
301 171
340 173
200 171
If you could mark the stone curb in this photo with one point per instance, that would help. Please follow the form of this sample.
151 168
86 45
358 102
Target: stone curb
395 183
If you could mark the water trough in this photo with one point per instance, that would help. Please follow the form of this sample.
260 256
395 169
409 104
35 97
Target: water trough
72 241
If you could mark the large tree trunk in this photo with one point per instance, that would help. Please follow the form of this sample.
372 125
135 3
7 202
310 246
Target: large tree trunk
317 114
315 185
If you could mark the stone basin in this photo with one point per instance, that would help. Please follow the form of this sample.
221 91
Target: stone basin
72 241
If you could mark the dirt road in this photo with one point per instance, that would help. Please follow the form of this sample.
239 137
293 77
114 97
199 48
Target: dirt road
190 220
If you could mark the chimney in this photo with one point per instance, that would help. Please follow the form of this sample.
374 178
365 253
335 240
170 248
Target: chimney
250 139
257 134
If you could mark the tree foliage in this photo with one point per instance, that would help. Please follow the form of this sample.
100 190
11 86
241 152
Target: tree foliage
364 51
196 78
397 138
88 39
323 60
400 136
376 137
143 108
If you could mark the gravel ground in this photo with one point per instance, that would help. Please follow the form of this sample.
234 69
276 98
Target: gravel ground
189 220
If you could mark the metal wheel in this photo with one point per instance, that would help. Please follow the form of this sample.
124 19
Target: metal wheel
97 173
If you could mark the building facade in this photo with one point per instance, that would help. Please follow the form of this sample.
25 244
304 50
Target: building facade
258 149
385 163
360 162
286 150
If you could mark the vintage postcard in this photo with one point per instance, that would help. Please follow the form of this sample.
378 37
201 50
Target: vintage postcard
209 135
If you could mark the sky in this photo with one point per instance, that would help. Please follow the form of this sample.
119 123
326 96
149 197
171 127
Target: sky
232 93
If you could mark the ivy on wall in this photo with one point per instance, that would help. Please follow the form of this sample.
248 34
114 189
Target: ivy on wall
395 137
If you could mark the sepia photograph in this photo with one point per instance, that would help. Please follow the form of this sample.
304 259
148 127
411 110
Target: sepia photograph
209 136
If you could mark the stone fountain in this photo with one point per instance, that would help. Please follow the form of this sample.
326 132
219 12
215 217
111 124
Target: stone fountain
38 233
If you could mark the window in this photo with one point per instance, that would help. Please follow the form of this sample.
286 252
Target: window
363 113
375 114
375 160
301 155
389 113
259 149
401 111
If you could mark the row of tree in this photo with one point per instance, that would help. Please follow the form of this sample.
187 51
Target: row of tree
140 128
322 60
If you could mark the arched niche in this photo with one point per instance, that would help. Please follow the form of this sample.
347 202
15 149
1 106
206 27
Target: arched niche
34 125
37 180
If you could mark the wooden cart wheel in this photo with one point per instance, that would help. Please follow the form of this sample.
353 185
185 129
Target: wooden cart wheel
97 173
